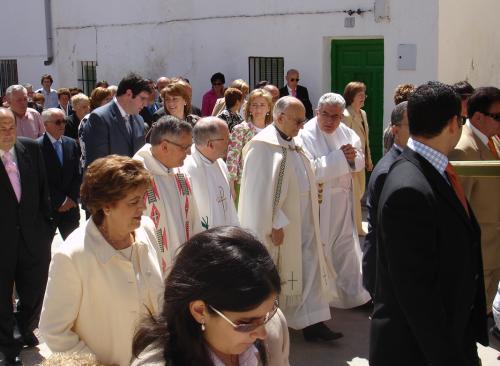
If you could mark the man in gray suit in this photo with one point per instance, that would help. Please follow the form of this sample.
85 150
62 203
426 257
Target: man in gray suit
117 127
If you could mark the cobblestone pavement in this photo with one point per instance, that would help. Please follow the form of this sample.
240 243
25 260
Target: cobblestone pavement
351 350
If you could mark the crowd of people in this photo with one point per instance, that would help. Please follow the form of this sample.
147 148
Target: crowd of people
213 230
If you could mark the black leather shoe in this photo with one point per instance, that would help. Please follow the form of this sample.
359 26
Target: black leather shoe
30 340
320 331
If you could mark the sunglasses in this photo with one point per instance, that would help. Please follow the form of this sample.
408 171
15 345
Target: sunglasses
495 116
59 122
293 80
248 327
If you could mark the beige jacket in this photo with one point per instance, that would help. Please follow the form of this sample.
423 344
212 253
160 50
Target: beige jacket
94 298
362 130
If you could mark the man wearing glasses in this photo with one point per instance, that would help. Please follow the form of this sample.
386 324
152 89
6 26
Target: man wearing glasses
279 202
300 92
209 174
169 201
63 171
479 141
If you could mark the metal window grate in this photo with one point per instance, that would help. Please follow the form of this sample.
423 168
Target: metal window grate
8 74
266 68
88 76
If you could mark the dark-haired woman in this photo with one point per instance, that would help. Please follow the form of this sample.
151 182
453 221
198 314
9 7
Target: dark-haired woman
220 307
106 276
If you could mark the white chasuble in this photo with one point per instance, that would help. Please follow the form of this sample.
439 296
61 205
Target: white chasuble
171 206
211 190
338 229
278 190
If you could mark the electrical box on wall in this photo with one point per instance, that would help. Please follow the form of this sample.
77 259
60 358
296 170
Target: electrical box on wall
407 57
349 22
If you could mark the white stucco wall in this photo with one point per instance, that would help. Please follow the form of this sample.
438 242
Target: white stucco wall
22 26
469 44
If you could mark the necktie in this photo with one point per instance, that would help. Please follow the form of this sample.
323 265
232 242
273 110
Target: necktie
128 124
59 151
13 173
492 148
294 93
457 187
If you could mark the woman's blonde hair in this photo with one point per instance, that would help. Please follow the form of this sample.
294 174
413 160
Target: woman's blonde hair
256 93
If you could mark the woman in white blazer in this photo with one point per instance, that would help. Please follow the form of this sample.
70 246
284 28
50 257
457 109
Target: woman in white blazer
105 276
220 307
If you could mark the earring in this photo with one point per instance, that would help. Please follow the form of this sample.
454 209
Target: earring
107 212
202 324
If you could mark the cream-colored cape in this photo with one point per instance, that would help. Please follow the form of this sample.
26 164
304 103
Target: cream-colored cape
269 190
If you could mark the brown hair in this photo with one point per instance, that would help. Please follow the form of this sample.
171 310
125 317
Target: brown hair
231 96
38 97
402 92
46 76
97 97
177 89
256 93
351 89
108 180
63 91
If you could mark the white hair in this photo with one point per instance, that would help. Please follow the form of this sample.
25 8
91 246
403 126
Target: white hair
331 99
48 113
282 104
14 89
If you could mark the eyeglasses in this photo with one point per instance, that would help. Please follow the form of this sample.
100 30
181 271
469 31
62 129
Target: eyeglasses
495 116
298 121
216 140
293 80
183 147
59 122
248 327
330 116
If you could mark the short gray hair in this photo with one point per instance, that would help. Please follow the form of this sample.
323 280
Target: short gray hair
48 113
206 129
14 89
398 113
168 126
331 99
79 98
282 104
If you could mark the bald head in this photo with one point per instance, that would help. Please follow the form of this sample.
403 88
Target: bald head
211 137
162 82
274 91
7 129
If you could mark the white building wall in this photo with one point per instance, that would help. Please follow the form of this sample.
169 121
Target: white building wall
22 26
469 44
196 38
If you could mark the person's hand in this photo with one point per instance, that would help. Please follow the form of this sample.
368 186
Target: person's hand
277 236
349 152
369 166
68 205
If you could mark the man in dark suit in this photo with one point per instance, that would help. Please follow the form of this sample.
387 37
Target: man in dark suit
429 294
300 92
26 230
400 132
117 127
62 163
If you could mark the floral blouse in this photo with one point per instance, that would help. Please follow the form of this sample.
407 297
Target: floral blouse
241 134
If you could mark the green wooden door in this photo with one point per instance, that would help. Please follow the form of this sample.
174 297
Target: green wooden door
363 60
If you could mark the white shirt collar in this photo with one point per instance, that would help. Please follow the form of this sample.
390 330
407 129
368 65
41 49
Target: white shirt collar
479 134
11 150
122 111
52 139
290 90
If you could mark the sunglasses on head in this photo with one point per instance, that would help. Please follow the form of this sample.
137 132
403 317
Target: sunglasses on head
249 327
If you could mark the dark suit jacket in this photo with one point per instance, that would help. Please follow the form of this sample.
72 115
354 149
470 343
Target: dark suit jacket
70 109
105 133
303 96
64 181
29 219
147 114
375 185
71 129
429 296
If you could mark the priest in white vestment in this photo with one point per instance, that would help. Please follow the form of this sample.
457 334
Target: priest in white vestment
279 203
209 175
169 201
336 152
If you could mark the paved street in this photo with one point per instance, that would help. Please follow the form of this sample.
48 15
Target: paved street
350 350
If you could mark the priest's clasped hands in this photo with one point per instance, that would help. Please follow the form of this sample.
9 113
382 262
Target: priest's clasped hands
277 236
349 152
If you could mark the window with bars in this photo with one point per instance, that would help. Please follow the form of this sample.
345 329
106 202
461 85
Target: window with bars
88 76
266 68
8 74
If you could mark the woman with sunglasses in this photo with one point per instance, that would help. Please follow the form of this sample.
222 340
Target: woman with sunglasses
220 307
